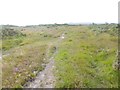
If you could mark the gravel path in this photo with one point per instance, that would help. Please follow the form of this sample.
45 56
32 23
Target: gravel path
45 78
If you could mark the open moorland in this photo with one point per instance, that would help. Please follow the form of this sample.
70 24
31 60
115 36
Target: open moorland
60 56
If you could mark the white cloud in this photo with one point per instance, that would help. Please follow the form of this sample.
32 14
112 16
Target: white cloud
25 12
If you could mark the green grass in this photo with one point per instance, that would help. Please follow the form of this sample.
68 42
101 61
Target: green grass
86 60
12 42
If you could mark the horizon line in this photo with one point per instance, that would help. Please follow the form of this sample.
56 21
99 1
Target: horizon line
70 23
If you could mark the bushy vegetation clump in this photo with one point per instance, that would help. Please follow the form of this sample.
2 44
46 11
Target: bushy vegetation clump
9 33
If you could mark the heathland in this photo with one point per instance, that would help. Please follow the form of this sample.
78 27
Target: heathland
60 55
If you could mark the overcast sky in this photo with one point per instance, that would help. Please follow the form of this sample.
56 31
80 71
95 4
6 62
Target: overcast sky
31 12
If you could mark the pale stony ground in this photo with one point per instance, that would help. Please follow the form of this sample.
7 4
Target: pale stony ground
46 78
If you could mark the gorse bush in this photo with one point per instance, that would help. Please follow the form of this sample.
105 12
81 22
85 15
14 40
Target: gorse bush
9 33
11 38
111 29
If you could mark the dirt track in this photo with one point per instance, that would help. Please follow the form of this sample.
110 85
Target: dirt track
45 78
